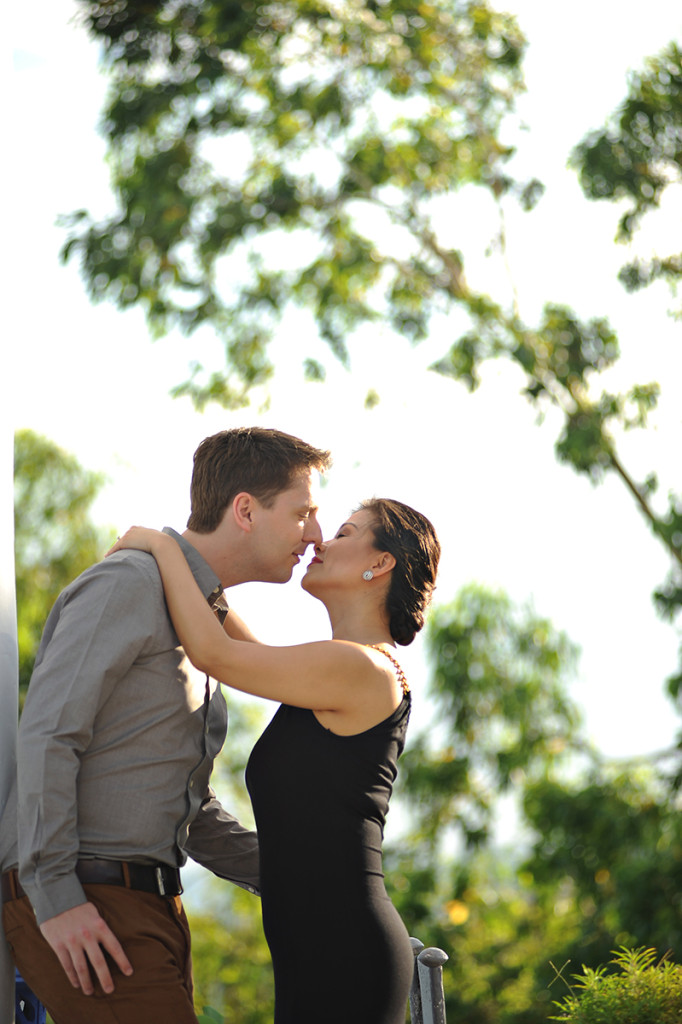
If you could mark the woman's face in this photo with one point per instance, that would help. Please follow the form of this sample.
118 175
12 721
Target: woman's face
341 561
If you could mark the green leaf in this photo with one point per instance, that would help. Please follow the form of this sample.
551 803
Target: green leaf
210 1016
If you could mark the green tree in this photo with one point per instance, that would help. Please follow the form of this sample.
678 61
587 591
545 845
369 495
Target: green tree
260 152
498 691
55 538
637 157
314 156
611 841
635 161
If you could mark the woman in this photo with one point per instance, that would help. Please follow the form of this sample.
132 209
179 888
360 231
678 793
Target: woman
320 777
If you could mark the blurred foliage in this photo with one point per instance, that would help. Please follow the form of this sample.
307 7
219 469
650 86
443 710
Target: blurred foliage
634 161
55 537
232 971
499 932
499 698
614 838
637 157
266 155
270 156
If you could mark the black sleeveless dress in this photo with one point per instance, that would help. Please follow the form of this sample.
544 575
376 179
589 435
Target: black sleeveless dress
340 952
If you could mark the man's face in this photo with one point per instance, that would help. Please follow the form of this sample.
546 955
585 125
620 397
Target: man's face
283 532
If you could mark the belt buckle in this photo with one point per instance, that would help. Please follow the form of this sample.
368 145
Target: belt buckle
160 884
171 888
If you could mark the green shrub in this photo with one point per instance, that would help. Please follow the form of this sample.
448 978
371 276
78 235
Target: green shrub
640 992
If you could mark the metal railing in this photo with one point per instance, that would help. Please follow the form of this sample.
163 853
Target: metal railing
427 998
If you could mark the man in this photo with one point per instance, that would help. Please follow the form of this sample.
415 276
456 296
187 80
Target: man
117 742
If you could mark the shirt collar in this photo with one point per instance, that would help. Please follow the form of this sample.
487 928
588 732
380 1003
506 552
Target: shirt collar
206 579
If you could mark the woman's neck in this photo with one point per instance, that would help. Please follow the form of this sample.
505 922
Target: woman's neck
360 626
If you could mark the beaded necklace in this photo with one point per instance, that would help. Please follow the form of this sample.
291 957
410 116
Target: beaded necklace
401 675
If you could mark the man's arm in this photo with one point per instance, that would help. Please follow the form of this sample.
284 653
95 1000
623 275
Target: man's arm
219 842
91 638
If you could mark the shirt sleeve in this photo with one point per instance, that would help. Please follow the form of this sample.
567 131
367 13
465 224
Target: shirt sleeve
219 842
99 626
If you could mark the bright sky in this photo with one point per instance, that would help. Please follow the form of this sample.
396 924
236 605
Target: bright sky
478 465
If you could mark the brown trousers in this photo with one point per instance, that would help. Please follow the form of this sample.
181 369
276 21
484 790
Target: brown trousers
154 933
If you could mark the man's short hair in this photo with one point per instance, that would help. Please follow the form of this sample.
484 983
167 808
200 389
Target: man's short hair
259 460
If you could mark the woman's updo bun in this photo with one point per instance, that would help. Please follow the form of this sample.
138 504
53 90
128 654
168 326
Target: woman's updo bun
412 540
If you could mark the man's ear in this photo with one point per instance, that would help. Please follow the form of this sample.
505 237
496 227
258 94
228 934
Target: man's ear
383 563
243 508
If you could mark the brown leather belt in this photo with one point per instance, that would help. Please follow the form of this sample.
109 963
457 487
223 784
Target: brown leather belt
157 878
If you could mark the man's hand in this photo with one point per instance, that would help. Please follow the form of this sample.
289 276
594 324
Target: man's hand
78 936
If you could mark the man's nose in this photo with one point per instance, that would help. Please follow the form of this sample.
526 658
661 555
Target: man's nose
312 533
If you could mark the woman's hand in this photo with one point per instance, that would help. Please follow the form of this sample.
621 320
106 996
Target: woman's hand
140 538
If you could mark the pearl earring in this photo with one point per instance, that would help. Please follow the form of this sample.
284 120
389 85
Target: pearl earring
368 574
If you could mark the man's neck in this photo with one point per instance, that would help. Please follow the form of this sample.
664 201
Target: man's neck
219 554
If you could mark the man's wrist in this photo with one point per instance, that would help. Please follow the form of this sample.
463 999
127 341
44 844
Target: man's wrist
55 897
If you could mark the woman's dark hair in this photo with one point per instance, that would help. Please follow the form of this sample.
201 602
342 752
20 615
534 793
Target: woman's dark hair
412 540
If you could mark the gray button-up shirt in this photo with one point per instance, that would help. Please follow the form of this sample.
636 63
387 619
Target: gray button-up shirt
118 737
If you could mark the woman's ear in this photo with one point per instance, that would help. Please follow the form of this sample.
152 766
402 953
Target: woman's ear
242 510
383 563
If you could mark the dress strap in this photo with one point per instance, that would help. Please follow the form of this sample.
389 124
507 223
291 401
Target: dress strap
401 675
